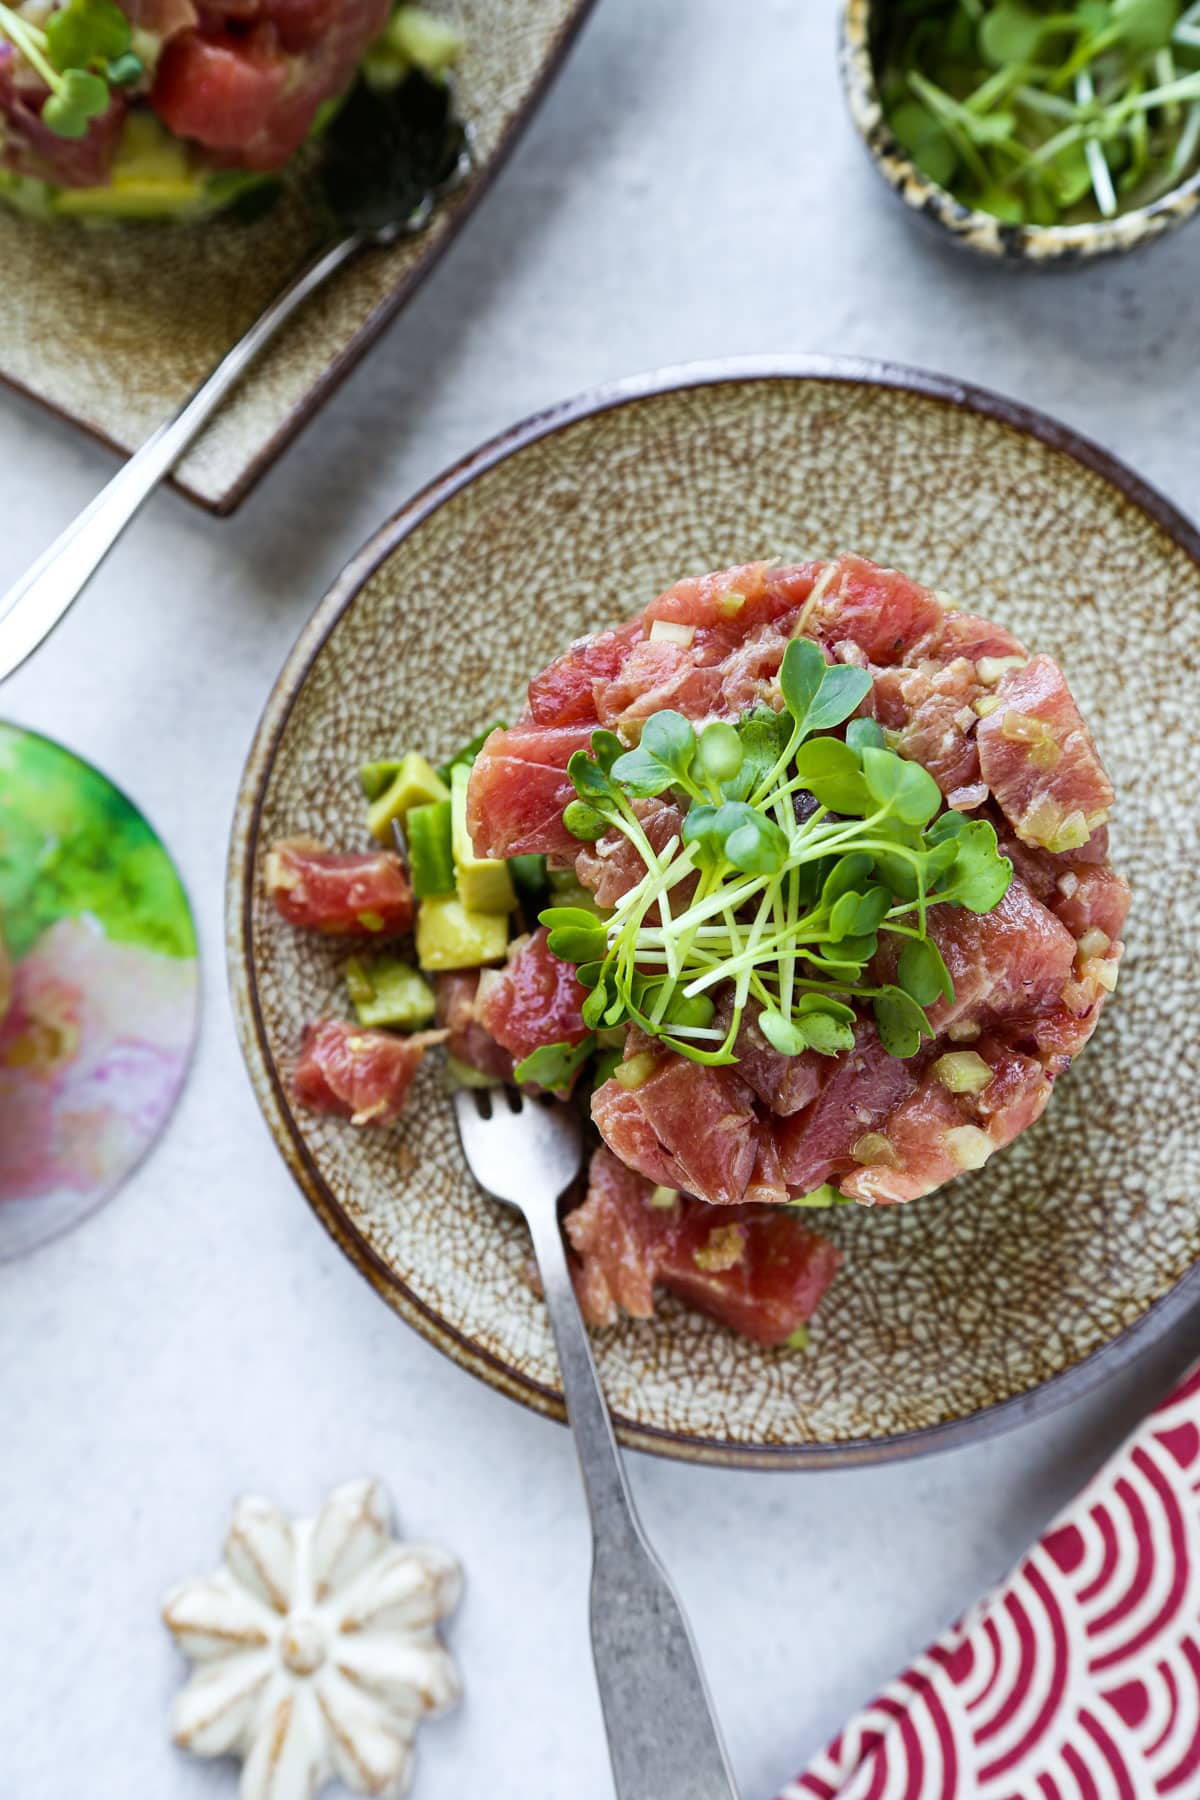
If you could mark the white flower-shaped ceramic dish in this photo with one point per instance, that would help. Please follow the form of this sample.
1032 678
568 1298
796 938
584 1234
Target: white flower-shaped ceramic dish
316 1647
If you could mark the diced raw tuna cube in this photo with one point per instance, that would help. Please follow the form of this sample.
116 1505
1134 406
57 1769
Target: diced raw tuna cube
757 1270
520 788
341 895
1012 961
932 709
363 1076
883 612
934 1134
565 692
252 93
1037 756
687 1121
864 1085
786 1084
468 1042
534 1000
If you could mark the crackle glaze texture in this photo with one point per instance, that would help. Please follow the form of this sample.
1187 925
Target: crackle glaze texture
946 1307
115 327
1036 246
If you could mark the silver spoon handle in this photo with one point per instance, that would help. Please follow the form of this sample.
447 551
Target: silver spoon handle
663 1736
31 609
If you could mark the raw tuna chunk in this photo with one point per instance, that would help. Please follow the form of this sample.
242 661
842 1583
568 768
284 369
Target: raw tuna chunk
883 612
364 896
1037 757
934 1134
363 1076
1009 963
467 1041
861 1089
785 1084
687 1125
932 710
1030 977
565 692
519 789
756 1270
534 1000
251 94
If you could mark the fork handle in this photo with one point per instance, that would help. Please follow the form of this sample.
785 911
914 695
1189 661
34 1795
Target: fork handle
31 609
663 1736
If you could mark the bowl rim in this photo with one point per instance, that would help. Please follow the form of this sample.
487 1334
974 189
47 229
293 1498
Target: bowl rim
1067 1384
1017 244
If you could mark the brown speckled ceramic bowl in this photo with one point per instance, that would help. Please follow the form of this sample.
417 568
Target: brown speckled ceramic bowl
1032 246
1014 1287
114 327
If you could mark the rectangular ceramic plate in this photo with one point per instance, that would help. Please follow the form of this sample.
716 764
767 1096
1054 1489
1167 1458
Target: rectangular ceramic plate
114 328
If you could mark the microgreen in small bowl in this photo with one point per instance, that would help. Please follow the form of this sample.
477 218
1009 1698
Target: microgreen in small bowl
1038 131
798 850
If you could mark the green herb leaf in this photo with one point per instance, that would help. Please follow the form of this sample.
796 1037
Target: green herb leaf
901 1023
979 877
662 758
764 737
781 1033
904 787
555 1066
584 822
832 773
922 972
865 734
85 33
826 1035
588 779
81 98
756 845
819 696
719 754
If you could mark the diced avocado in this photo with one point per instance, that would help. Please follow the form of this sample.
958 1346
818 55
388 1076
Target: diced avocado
413 783
430 856
451 937
422 38
484 882
470 751
389 992
152 174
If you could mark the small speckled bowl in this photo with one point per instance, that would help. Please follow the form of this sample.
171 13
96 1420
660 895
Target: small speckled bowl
1017 246
1014 1287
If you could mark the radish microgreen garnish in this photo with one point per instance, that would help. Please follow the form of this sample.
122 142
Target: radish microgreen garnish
82 53
800 850
1043 112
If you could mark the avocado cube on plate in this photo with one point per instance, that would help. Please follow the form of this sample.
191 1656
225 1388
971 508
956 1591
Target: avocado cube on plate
451 936
413 783
484 882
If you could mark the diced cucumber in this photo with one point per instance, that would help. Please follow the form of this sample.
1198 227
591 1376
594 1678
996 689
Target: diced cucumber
470 751
451 937
412 783
484 882
430 856
390 992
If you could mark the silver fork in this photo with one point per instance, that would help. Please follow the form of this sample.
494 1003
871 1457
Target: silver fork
663 1736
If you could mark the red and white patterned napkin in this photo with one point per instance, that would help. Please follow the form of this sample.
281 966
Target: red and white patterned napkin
1079 1679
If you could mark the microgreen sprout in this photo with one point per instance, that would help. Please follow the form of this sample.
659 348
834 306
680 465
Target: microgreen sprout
82 53
799 849
1046 112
